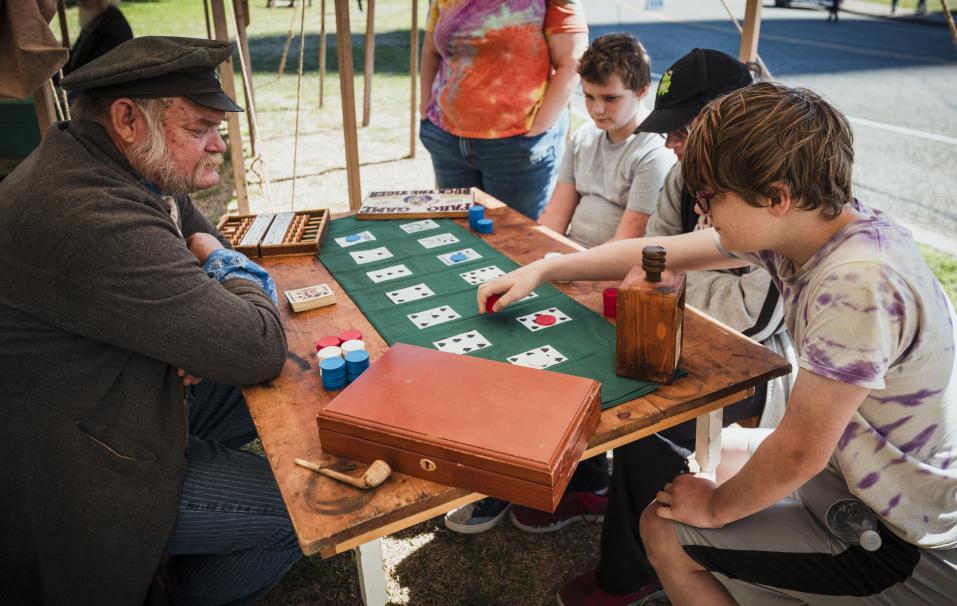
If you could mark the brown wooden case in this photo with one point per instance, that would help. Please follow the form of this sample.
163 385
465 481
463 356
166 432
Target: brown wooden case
276 234
506 431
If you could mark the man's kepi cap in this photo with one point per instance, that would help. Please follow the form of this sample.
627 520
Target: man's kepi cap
158 66
689 84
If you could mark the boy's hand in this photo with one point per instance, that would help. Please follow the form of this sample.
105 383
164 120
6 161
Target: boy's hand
512 286
689 499
187 378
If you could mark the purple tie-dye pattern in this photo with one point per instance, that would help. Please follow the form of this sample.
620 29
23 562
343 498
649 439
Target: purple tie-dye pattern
849 433
907 399
851 277
926 519
881 443
865 369
899 460
824 300
920 440
818 356
886 429
894 502
869 480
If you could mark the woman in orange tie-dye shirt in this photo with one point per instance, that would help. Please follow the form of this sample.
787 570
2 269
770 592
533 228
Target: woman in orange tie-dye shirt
496 78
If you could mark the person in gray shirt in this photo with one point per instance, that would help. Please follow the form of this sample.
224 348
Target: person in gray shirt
610 174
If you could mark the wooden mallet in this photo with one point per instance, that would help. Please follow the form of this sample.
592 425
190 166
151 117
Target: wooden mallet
376 474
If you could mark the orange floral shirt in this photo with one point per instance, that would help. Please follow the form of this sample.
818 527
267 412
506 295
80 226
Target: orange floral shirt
495 63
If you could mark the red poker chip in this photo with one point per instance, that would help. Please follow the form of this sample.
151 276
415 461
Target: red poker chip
610 296
347 335
490 303
330 341
544 320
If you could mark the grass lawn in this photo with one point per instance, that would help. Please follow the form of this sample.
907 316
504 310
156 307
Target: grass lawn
426 563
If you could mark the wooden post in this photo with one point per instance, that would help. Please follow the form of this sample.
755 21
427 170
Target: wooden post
322 54
348 95
242 19
752 31
232 120
64 31
414 76
370 62
45 105
209 29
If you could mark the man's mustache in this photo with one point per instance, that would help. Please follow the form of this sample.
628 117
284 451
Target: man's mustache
211 161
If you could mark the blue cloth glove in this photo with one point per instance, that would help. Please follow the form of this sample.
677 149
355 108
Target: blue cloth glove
224 264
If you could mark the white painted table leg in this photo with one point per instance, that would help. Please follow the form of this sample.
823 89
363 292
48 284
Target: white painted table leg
371 573
708 442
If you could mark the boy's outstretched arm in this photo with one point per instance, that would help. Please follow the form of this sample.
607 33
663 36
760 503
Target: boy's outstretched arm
610 261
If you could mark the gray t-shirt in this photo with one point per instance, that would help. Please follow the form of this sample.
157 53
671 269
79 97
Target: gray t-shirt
611 177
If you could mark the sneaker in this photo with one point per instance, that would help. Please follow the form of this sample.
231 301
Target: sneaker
574 507
477 517
584 591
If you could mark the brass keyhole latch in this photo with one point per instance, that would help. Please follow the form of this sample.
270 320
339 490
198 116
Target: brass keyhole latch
426 464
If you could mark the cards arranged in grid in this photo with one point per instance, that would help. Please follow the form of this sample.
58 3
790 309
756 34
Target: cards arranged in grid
389 273
434 316
482 275
459 256
464 343
438 240
540 357
417 226
543 319
410 293
353 239
372 255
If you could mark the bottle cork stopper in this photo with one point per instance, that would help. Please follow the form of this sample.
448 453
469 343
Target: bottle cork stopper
653 262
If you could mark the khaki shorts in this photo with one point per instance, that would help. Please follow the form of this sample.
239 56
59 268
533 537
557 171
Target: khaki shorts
785 555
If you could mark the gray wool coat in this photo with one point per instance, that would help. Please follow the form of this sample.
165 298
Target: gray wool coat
100 303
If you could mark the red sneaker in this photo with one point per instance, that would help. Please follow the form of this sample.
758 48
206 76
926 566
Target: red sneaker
574 507
583 590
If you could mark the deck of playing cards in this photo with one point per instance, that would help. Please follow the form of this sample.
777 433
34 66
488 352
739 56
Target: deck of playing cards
311 297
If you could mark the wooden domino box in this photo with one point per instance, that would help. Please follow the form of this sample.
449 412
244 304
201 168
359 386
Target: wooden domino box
276 234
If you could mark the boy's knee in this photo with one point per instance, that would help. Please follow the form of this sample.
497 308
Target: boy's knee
657 534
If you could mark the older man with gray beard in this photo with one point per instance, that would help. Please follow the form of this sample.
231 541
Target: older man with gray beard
125 326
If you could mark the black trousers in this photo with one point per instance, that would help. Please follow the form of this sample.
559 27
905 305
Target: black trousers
639 471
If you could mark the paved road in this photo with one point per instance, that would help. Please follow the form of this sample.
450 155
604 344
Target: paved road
895 80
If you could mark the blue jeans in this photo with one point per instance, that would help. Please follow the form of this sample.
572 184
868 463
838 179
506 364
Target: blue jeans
519 170
233 539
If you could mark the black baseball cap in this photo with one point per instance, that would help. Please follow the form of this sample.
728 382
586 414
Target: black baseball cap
158 66
691 83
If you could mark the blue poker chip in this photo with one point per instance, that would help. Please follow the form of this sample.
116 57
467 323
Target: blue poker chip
355 358
458 257
483 226
353 237
332 365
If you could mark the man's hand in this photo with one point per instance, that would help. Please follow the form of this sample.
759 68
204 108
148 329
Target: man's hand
202 245
188 379
689 499
512 286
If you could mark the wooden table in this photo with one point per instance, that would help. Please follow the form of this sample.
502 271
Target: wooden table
329 517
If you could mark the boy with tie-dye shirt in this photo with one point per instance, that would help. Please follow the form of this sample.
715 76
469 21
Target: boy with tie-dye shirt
874 403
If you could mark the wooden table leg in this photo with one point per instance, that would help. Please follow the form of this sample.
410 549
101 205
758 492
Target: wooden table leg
371 573
708 441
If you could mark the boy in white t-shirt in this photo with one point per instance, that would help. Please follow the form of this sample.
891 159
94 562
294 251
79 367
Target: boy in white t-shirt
610 176
875 400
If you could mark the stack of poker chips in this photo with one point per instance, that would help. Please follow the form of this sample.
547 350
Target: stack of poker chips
483 226
610 296
476 212
356 363
333 373
342 358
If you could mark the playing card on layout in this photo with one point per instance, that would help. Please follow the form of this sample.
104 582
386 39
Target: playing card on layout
417 226
410 293
540 357
530 295
482 275
371 255
431 317
438 240
389 273
528 321
353 239
461 256
464 343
